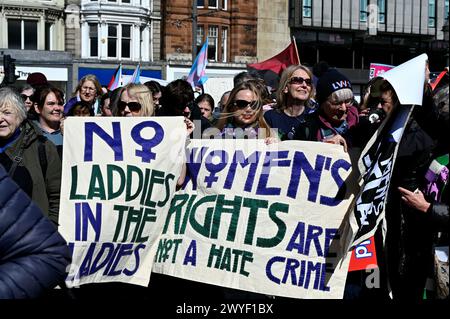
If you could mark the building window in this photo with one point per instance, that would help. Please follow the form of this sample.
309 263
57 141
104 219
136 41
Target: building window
93 40
381 11
48 35
223 4
363 10
431 13
126 41
14 38
307 8
29 32
199 39
22 34
119 41
200 3
212 43
212 4
112 41
446 9
224 42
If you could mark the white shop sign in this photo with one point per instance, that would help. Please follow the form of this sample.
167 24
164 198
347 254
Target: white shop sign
52 74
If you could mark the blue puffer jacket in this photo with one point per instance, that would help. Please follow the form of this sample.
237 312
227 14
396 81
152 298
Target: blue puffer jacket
33 255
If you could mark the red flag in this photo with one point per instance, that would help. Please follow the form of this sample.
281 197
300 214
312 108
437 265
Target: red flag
279 62
271 69
434 83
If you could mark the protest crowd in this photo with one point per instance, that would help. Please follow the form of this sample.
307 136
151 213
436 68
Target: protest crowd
315 104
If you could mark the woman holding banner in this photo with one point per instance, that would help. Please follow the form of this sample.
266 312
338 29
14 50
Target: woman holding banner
336 116
404 259
242 116
135 100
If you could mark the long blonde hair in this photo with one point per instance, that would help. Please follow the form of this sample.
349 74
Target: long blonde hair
284 80
229 110
143 94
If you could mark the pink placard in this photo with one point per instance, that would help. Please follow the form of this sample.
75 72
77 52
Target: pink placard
377 69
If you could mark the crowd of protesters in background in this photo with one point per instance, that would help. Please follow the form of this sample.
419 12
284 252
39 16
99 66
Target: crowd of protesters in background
32 131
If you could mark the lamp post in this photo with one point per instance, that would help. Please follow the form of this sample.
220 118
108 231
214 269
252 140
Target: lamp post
194 30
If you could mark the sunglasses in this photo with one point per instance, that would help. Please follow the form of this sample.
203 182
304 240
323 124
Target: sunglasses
242 104
132 106
180 108
25 97
299 80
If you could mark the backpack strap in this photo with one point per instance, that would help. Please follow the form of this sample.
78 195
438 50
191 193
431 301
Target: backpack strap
17 159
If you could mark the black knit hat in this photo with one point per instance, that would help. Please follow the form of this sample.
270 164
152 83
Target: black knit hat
329 82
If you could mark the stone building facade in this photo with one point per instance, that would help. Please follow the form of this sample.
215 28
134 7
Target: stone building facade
273 28
32 32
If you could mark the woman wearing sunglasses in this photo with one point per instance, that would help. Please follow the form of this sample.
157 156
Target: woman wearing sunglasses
294 101
242 116
26 93
135 100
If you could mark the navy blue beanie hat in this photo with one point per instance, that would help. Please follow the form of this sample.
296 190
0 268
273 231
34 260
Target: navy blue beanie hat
329 82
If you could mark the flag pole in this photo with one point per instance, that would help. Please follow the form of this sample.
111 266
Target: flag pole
120 83
296 50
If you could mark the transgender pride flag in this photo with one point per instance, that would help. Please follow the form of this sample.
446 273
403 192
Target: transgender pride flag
136 78
197 76
116 79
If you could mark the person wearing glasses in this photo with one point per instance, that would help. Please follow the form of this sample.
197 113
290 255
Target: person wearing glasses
336 114
88 91
294 101
242 116
135 100
26 93
27 155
